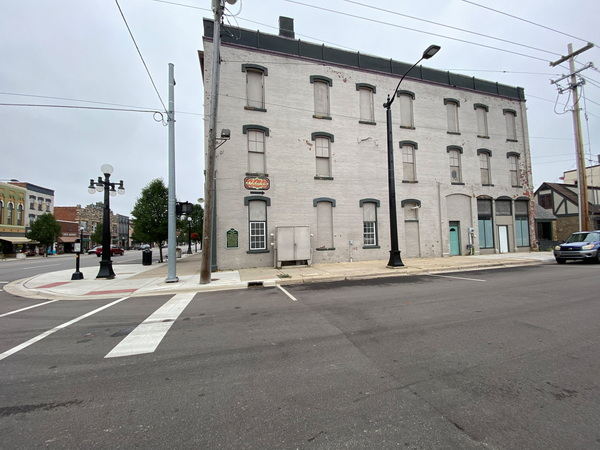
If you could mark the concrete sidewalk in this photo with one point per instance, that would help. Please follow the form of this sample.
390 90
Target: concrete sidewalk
138 280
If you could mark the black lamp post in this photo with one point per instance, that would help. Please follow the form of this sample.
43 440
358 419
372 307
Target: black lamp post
77 275
189 250
395 259
104 185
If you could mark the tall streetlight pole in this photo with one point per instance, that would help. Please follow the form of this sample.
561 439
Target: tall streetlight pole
104 185
189 250
395 259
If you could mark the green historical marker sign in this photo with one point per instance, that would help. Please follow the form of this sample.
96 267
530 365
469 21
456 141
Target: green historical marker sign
232 238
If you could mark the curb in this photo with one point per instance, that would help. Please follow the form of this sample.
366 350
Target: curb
19 289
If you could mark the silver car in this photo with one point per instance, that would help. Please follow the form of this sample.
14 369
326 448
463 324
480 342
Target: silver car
583 245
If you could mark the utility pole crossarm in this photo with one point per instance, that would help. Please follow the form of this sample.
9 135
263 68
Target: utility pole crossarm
571 54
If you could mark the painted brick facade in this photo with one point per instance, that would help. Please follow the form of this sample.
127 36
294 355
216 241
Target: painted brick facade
358 159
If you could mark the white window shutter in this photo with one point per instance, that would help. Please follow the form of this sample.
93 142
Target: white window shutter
406 111
324 225
321 98
481 122
452 113
254 86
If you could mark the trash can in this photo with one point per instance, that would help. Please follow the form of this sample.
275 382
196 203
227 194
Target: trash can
147 257
178 252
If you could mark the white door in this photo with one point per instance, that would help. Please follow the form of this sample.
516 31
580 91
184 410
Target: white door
503 238
302 243
285 243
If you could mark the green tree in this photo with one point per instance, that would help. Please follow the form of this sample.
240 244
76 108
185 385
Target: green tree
150 221
97 234
45 229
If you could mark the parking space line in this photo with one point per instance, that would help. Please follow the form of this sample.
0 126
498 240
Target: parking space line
26 308
456 278
146 337
288 294
39 337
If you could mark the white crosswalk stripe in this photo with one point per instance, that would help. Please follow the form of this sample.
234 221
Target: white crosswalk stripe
146 337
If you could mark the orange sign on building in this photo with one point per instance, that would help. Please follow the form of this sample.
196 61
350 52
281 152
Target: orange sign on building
257 183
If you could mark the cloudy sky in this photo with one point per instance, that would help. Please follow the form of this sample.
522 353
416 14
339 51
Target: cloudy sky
80 50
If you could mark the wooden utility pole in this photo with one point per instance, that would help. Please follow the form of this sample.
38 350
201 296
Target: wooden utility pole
209 175
584 217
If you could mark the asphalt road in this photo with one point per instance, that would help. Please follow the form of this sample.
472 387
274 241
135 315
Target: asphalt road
490 359
11 270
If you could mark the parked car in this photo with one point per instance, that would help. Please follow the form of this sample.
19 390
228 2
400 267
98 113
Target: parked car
92 251
583 245
114 250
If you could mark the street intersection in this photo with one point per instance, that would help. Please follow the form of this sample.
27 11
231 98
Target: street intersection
497 358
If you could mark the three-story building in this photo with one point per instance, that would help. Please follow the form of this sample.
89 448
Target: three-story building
303 177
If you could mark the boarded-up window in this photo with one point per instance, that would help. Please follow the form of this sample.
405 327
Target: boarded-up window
484 166
369 223
411 211
324 225
321 98
256 151
503 207
257 224
452 114
408 163
455 172
322 153
366 105
513 162
482 125
406 111
511 127
255 89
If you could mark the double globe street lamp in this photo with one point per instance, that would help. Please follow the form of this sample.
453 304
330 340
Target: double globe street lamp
395 260
109 189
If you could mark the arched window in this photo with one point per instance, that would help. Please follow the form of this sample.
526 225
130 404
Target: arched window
324 238
10 214
256 148
20 215
257 223
323 142
1 211
255 87
370 234
365 103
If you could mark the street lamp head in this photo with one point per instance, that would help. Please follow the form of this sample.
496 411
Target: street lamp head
106 169
189 219
225 133
121 189
430 51
113 192
91 187
100 187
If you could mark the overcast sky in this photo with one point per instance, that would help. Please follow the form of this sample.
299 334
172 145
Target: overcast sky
80 49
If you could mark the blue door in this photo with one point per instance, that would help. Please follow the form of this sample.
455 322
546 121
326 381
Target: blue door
454 238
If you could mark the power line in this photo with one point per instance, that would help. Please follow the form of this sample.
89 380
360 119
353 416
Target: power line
141 57
254 22
525 20
452 27
416 30
82 107
19 94
505 71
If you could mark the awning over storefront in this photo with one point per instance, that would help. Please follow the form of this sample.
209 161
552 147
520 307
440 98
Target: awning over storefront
18 240
67 239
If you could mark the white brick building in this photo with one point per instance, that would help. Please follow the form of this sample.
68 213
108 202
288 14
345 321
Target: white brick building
308 150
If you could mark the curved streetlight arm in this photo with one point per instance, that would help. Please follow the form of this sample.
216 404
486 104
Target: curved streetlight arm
391 100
